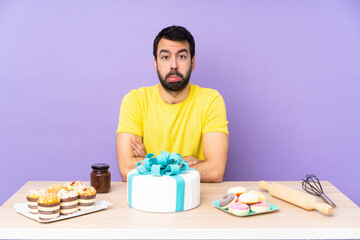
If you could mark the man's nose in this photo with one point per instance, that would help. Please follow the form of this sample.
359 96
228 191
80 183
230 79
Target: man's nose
173 64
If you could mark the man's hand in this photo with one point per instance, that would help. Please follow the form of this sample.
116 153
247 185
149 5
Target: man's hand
138 147
191 160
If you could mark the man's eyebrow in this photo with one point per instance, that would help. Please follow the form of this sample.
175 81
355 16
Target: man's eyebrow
167 51
164 50
182 50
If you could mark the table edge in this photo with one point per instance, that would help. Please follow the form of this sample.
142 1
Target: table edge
103 233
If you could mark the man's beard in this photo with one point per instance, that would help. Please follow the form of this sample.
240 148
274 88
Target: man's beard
175 86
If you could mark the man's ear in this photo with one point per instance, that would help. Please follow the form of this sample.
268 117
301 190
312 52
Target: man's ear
155 64
193 63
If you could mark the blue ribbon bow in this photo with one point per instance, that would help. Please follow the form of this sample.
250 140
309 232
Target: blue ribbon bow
165 163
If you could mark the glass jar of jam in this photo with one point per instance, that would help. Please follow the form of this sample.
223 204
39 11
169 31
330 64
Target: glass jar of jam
100 177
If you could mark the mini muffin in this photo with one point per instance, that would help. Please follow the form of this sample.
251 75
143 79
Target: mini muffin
74 186
69 202
54 188
49 207
32 198
87 197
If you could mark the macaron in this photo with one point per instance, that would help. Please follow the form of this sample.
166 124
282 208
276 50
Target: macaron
237 190
260 207
239 208
261 196
249 198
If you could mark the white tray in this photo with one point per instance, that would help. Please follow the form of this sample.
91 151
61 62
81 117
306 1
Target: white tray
23 209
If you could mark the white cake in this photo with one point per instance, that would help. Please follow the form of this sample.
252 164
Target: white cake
161 194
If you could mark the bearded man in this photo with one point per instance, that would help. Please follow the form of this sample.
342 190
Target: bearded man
174 115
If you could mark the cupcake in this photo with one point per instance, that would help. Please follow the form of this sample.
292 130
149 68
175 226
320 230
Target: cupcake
49 207
87 197
54 188
74 186
32 198
69 202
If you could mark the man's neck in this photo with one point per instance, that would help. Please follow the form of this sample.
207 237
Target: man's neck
172 97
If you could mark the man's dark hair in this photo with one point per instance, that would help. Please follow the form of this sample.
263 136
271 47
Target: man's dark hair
175 33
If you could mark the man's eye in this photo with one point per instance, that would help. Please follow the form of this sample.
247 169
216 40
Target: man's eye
165 57
182 56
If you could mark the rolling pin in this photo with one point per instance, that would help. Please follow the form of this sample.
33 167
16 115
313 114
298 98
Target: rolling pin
295 197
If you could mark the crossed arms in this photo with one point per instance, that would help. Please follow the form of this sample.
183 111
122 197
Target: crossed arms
130 150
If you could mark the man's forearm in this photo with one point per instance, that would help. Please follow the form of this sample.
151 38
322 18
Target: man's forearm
131 164
127 159
208 173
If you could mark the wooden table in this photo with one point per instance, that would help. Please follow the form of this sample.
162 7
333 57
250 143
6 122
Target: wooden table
205 222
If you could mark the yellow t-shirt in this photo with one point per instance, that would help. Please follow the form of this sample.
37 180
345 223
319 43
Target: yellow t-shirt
173 127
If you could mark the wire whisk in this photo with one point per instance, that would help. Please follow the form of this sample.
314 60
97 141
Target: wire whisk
313 186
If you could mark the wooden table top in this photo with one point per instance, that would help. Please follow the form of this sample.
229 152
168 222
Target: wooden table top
119 221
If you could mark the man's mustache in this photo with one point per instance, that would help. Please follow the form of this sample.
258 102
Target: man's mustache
174 72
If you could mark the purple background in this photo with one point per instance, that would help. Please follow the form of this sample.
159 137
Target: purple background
288 71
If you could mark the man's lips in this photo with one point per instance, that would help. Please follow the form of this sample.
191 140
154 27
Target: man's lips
174 78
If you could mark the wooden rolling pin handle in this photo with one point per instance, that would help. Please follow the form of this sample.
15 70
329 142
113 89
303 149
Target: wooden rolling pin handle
264 185
323 208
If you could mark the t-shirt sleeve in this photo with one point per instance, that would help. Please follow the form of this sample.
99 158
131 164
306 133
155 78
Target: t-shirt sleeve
216 120
130 115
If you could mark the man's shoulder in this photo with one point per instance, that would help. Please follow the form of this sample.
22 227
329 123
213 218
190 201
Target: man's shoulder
142 92
205 92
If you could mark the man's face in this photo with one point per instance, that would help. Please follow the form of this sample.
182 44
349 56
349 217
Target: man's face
174 64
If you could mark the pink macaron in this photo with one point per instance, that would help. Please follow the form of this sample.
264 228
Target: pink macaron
260 207
239 208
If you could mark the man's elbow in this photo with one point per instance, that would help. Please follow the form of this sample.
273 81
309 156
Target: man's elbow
123 175
218 178
213 177
124 172
218 175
